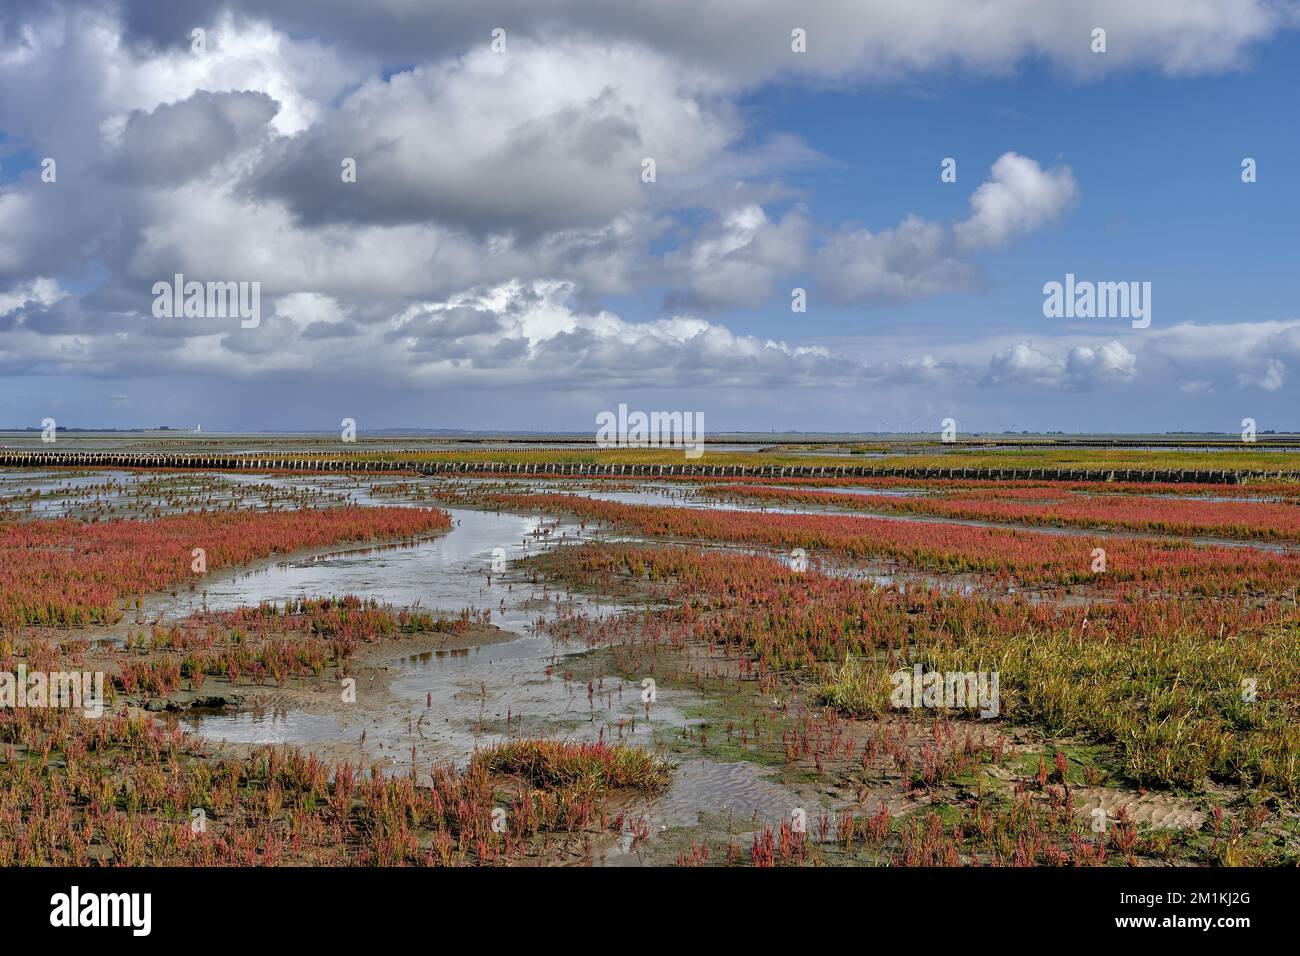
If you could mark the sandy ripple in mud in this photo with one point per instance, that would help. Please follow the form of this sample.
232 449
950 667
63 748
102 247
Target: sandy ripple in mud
738 798
1159 810
738 790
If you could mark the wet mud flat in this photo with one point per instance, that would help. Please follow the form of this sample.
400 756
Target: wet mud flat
420 701
759 765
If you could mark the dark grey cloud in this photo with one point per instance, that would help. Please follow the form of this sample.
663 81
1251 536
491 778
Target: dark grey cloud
750 39
180 141
546 139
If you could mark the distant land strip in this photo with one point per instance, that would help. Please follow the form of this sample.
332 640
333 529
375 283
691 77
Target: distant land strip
344 463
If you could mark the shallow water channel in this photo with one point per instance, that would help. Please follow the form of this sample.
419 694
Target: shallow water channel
441 705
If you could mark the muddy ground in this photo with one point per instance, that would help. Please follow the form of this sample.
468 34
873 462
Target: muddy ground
425 699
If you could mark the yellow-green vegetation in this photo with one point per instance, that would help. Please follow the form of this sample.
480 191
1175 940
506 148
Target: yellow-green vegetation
1105 459
883 456
857 689
1182 707
554 763
601 456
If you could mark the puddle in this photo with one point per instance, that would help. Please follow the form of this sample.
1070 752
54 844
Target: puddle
448 572
444 704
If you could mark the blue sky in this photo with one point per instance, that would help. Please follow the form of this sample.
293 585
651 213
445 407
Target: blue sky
498 263
1157 159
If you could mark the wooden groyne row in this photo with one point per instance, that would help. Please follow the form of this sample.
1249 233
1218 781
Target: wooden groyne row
346 464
